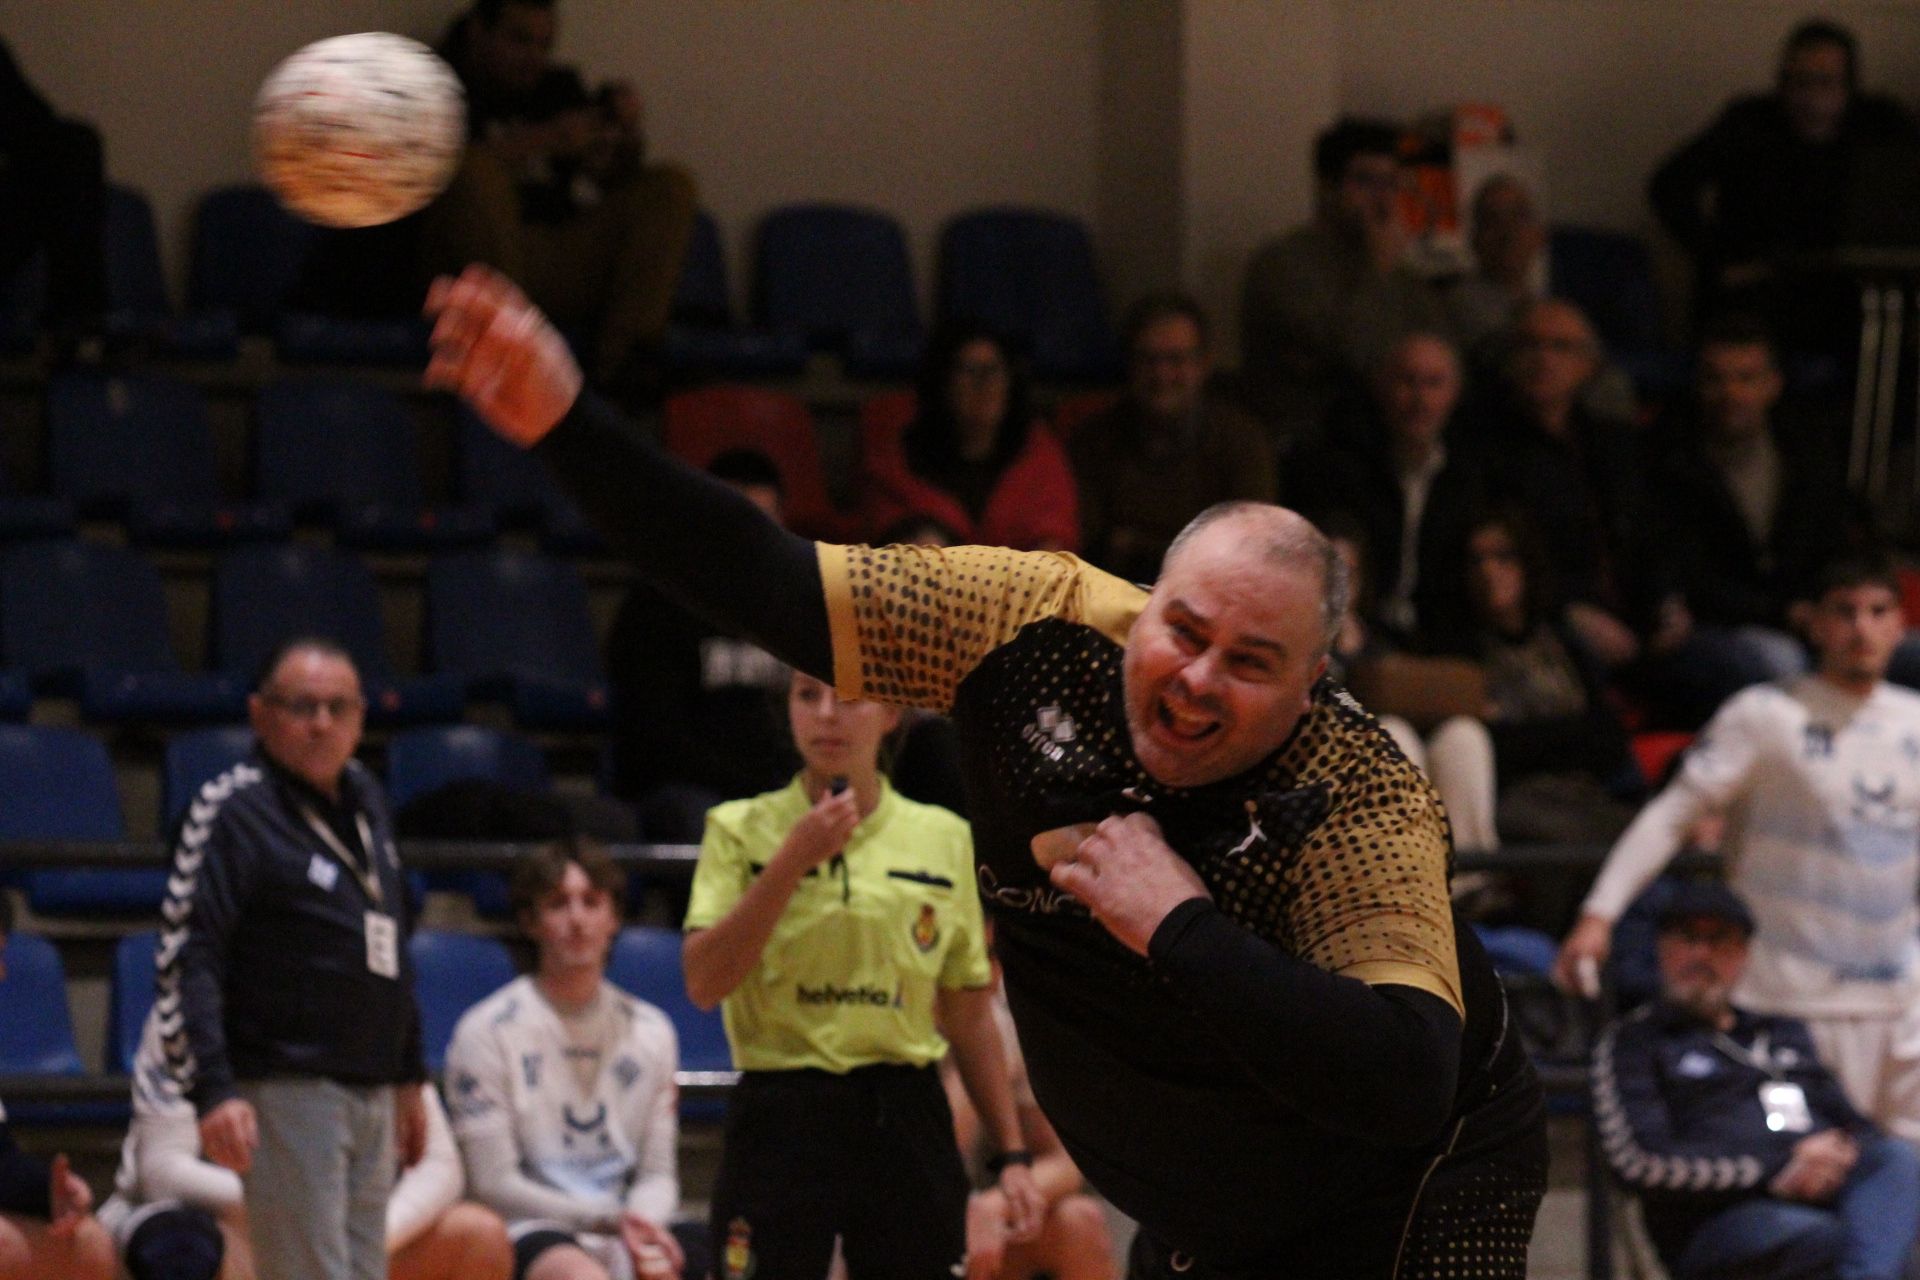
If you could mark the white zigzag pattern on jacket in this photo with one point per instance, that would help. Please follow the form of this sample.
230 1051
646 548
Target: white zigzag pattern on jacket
1646 1170
182 883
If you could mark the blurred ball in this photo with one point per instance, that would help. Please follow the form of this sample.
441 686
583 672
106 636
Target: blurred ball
358 130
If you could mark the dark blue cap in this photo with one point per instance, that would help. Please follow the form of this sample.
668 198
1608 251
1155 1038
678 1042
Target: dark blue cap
1704 900
176 1244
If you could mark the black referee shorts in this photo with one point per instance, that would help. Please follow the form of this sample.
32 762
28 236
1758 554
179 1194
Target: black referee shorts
868 1156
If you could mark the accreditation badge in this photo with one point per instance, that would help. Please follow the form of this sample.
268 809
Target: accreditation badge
1786 1106
383 945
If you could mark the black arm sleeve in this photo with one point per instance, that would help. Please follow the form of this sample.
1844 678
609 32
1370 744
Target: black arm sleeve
212 879
25 1181
693 536
1376 1063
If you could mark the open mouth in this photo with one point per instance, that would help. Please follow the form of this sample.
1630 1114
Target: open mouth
1184 726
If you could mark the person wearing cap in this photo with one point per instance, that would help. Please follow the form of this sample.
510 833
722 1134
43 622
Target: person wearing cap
1745 1153
1819 779
47 1229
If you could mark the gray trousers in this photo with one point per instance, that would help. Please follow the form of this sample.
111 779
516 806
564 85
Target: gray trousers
317 1191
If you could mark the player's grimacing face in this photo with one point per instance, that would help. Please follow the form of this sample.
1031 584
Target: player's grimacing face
574 923
1220 666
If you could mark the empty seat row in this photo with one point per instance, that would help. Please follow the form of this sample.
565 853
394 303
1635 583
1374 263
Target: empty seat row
58 783
826 277
88 621
452 973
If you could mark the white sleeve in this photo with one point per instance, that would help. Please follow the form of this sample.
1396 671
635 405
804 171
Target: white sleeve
655 1193
168 1166
431 1187
1715 769
483 1122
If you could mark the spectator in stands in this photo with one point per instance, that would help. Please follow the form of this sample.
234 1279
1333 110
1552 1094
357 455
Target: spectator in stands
1743 1149
174 1213
1168 450
1577 474
556 190
563 1092
696 711
1074 1242
1509 242
284 965
1407 475
47 1229
838 925
1772 182
1321 305
1821 779
53 196
1750 505
1429 705
973 458
1561 753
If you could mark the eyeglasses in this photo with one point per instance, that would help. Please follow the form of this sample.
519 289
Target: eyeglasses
307 708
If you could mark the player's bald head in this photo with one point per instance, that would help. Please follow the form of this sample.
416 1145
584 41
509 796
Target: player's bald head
1261 534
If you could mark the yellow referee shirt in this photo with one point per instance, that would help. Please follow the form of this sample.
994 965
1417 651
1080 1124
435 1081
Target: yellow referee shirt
849 976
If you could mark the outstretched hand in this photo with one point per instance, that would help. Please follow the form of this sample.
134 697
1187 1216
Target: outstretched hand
496 350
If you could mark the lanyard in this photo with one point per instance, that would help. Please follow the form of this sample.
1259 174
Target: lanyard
368 876
1760 1057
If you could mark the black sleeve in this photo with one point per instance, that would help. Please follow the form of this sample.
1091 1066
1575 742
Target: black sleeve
25 1181
212 876
25 116
693 536
1375 1063
1678 190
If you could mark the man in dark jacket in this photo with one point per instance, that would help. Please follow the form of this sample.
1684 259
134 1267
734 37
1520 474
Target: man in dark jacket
285 995
1742 1146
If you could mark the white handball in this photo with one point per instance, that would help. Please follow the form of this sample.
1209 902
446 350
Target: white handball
358 130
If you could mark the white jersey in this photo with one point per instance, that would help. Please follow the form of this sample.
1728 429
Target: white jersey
577 1155
1822 794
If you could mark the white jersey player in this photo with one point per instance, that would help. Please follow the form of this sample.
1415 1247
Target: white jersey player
1819 780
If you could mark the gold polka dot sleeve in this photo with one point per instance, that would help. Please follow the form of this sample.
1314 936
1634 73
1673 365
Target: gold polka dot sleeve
1371 897
909 623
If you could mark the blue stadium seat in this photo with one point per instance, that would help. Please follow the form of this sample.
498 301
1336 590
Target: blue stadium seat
840 276
1031 275
344 452
138 305
129 996
36 516
517 627
57 784
89 621
1609 276
265 595
247 256
33 1009
23 302
140 448
16 695
195 758
452 972
420 761
516 489
646 962
703 338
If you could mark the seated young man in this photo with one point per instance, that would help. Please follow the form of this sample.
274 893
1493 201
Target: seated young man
563 1092
1074 1242
46 1229
1747 1157
177 1216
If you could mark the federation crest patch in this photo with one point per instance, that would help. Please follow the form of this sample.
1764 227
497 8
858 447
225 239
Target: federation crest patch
738 1258
926 929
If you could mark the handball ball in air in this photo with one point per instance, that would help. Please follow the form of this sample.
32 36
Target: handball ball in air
358 130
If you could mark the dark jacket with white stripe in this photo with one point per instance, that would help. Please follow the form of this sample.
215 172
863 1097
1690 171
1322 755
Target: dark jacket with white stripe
1680 1117
263 962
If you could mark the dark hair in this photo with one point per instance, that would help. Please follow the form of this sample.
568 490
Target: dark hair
326 646
930 443
539 873
1818 31
487 12
1540 597
1738 329
1856 569
745 466
1348 137
1155 307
